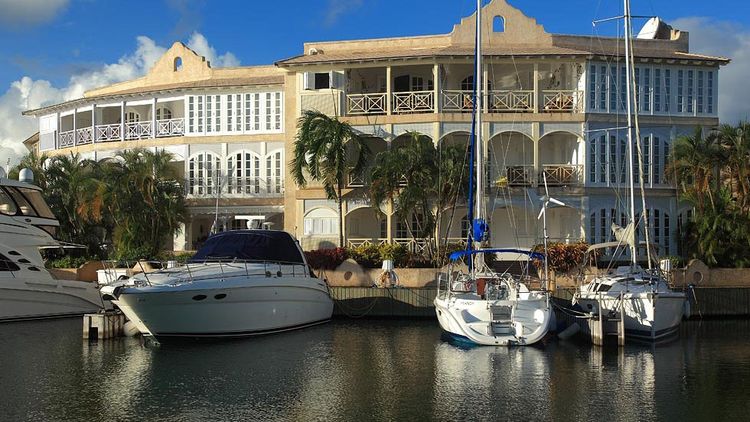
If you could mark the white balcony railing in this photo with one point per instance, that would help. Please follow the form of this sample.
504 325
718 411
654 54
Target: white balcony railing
170 127
366 103
413 102
244 187
458 101
562 101
513 101
84 136
356 242
562 174
138 130
111 132
418 246
66 139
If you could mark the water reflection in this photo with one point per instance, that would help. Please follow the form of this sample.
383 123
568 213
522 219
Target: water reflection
370 370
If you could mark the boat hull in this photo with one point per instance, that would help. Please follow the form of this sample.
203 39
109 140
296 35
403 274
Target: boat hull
223 309
470 318
648 316
23 299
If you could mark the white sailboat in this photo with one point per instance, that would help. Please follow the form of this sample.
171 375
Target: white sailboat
482 306
651 309
27 289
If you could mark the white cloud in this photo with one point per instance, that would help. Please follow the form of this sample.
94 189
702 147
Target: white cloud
726 39
27 93
336 8
199 44
17 13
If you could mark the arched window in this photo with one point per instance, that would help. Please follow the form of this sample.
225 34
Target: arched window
274 172
600 224
498 24
204 172
659 226
163 113
321 221
243 169
132 117
177 63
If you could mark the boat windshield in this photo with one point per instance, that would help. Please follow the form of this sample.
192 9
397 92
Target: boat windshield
252 245
7 206
30 202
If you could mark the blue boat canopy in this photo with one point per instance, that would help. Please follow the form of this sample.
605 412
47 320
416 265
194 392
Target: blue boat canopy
460 254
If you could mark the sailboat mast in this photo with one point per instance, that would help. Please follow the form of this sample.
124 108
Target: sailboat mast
629 106
479 211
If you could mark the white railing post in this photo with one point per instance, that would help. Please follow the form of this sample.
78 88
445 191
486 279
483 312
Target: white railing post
122 120
153 118
93 123
75 111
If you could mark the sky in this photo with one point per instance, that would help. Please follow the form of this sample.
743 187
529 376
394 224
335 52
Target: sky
54 50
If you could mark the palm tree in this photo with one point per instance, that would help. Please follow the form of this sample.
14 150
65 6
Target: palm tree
693 166
326 149
735 145
35 163
420 180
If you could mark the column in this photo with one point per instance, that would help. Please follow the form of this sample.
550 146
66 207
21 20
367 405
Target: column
75 129
436 86
122 120
535 129
153 118
485 89
93 123
57 132
536 88
388 90
389 221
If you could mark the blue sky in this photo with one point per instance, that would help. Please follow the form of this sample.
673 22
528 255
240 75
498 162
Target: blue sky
51 50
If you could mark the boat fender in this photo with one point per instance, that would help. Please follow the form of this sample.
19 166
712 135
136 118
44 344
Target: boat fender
686 311
569 332
129 329
278 273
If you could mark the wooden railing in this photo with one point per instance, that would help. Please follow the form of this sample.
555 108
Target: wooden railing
511 100
458 101
66 139
110 132
84 136
562 174
366 103
413 102
562 101
138 130
170 127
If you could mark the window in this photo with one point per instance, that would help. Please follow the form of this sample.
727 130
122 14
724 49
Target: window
467 84
680 90
667 89
613 89
699 99
244 173
689 91
607 159
321 221
498 24
277 111
322 80
234 112
191 114
383 228
7 206
268 111
203 174
710 93
213 113
596 164
659 228
600 222
163 113
657 89
637 91
602 88
402 229
33 198
177 64
132 117
7 265
647 89
417 83
274 180
592 87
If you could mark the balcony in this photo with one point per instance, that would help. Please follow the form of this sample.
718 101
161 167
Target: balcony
113 132
413 102
371 104
567 101
562 174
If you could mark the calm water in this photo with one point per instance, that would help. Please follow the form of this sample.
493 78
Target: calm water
370 370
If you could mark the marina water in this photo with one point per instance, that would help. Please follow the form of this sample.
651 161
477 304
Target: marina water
370 370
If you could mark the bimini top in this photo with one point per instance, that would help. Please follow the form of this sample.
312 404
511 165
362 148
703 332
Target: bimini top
251 245
460 254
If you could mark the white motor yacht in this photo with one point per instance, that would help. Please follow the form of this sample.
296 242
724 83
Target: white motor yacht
27 289
240 283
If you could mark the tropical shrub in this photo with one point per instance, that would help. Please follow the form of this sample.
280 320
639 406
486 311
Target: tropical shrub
562 257
66 261
326 259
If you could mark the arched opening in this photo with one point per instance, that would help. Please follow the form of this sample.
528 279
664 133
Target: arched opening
561 158
498 24
177 63
511 160
365 226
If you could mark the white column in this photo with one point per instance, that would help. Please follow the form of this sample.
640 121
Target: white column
536 88
436 86
122 120
75 133
485 89
93 123
388 90
153 118
57 132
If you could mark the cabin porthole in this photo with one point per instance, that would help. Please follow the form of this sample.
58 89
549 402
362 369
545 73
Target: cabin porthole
220 296
199 297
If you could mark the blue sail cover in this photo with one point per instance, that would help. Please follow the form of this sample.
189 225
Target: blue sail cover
460 254
253 245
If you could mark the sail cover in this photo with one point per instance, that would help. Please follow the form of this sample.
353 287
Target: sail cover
253 245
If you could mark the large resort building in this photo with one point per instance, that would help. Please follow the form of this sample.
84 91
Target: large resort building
554 109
